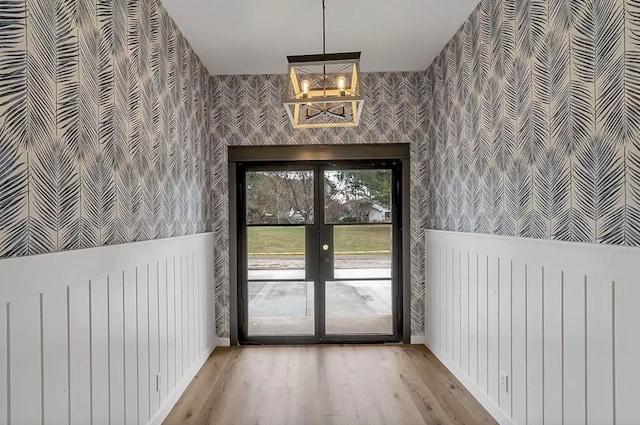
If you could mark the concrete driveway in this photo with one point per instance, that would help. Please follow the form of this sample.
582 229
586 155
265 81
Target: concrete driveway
353 306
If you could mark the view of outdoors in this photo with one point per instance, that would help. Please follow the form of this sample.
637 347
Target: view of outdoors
279 197
286 197
358 205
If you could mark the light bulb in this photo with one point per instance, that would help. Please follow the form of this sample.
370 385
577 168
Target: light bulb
342 83
306 85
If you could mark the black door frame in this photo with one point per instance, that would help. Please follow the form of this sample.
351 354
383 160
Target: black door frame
319 263
343 155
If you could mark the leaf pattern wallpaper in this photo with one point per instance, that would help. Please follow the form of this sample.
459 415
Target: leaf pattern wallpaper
248 110
533 122
105 126
112 131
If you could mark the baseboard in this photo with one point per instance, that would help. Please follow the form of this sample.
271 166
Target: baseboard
477 393
222 342
180 389
419 339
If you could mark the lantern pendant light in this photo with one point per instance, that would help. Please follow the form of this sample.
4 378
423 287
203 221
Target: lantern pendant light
324 90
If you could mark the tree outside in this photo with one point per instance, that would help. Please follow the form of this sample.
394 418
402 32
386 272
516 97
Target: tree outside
358 196
279 197
351 196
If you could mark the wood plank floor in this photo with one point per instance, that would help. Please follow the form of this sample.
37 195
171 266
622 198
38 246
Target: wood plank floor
326 385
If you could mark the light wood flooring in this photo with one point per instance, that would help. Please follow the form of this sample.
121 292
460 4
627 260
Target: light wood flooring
326 385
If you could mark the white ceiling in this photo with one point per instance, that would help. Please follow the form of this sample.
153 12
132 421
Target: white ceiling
255 36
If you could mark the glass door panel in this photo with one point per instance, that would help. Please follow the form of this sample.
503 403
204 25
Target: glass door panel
358 221
279 197
359 307
276 252
357 196
362 251
279 207
281 308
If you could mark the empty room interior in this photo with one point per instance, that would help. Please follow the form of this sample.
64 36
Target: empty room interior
319 212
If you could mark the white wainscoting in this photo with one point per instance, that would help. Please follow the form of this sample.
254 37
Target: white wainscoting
562 320
109 335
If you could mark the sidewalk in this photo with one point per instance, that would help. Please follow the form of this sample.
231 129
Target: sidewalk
296 262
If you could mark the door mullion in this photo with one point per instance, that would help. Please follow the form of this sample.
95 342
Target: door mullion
318 199
243 289
396 287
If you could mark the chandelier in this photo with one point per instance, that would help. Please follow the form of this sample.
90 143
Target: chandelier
324 90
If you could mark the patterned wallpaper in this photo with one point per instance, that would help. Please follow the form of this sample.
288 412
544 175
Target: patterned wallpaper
534 122
248 111
105 125
112 131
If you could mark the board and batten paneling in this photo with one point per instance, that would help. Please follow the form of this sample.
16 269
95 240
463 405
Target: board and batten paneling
559 319
108 335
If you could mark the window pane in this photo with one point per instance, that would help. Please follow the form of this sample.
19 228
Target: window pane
281 308
276 252
279 197
359 307
362 251
357 196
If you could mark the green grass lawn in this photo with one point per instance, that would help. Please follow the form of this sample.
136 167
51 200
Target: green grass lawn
348 239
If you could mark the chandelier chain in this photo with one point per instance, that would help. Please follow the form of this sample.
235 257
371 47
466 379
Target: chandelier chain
324 29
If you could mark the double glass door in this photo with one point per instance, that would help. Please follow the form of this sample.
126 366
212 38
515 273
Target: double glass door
319 252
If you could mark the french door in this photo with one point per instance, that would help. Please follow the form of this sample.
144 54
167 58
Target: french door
319 252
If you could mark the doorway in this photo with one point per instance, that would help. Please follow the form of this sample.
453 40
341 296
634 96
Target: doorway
319 248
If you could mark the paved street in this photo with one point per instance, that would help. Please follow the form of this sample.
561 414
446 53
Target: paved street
296 262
